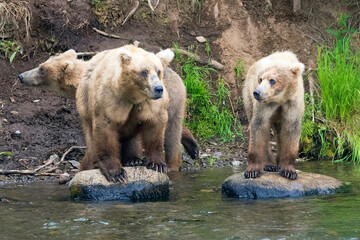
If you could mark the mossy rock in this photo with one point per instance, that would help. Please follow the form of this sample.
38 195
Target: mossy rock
272 185
142 184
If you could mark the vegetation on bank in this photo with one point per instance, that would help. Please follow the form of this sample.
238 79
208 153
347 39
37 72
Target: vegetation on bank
331 125
209 110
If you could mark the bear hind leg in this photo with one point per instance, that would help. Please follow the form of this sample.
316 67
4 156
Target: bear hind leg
131 152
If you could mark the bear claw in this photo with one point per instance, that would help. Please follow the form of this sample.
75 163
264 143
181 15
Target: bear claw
158 167
118 176
252 174
134 163
269 168
292 175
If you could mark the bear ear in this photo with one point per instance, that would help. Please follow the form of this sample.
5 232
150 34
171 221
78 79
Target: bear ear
297 68
71 53
68 66
166 56
125 56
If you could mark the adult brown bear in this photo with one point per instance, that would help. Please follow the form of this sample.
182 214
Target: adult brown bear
62 73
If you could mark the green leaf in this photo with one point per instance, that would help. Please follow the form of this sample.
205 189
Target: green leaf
6 153
12 57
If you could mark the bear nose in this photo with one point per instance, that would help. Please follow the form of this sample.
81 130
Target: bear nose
158 91
257 94
21 78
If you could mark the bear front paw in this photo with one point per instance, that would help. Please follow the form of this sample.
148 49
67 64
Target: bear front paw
115 175
159 167
290 174
252 174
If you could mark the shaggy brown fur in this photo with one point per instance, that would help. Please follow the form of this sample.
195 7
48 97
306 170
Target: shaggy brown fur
66 82
277 85
122 94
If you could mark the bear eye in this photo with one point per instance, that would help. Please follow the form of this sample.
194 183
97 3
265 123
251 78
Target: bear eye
158 73
42 70
144 73
272 81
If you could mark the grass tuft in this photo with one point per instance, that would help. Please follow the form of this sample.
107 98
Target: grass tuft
208 109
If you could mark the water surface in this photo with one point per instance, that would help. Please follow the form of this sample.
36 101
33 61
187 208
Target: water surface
195 210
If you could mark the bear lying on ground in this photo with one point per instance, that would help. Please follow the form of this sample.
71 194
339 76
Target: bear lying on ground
273 96
62 74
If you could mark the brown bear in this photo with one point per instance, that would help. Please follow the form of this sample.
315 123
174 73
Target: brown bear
62 74
121 94
273 95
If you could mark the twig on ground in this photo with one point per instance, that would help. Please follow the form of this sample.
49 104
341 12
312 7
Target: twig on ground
136 5
212 63
34 172
153 7
109 35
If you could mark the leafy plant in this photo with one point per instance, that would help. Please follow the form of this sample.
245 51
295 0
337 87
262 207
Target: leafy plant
208 108
9 49
239 69
338 75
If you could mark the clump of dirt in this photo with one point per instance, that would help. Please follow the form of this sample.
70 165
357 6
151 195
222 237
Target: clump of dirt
35 123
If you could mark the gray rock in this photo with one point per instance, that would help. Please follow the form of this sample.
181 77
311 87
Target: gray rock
272 185
64 178
74 163
142 184
217 154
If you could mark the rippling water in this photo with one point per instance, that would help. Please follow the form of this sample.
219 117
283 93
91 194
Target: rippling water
195 210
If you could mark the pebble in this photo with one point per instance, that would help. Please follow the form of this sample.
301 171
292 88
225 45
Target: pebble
14 112
201 39
217 154
64 178
17 132
75 164
236 163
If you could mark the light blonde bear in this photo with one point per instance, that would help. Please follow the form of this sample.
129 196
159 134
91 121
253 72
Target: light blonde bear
273 96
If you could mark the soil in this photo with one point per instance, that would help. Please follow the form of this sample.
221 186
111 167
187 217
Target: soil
36 123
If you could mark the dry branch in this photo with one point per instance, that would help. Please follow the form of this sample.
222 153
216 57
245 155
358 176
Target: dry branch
109 35
34 172
212 63
137 3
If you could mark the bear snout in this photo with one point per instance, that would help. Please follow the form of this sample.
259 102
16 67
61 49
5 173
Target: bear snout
158 90
257 94
21 78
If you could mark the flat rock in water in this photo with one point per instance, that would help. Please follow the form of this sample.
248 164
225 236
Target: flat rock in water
142 184
272 185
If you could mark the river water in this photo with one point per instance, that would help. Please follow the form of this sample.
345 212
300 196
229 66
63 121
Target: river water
195 210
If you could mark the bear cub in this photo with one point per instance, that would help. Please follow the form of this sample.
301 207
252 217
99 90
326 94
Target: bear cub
273 96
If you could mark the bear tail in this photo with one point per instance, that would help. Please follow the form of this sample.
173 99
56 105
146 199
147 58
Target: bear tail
189 143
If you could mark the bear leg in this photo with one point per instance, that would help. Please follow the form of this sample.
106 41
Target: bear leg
258 146
106 151
288 142
189 143
131 152
87 163
153 136
172 144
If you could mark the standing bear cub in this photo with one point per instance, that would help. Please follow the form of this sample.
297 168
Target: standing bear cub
273 96
120 95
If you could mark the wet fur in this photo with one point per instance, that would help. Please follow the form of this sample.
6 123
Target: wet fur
282 109
66 82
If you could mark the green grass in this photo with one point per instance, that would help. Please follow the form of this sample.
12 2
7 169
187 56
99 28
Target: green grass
209 111
9 154
339 79
98 4
9 49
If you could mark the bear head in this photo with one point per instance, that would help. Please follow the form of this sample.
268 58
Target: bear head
143 71
57 74
279 82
